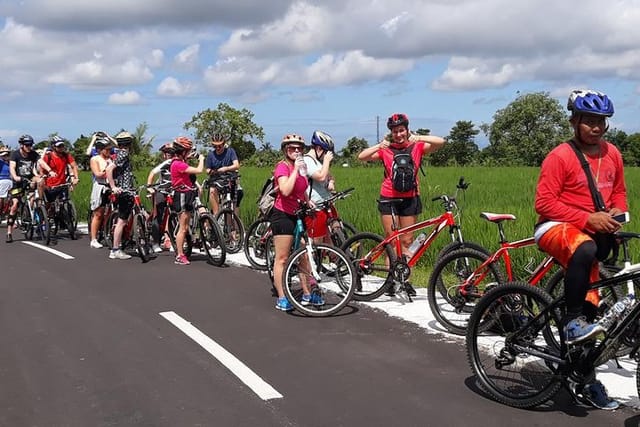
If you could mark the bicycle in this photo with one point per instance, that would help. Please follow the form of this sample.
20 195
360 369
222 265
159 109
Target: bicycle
380 263
523 360
62 211
203 232
32 218
232 228
163 222
461 277
324 270
259 231
135 234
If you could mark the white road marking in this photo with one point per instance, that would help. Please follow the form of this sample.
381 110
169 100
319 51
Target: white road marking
48 249
239 369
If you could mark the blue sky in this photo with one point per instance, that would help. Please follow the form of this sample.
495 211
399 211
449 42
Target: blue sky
74 67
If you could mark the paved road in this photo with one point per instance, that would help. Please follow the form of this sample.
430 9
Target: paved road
90 342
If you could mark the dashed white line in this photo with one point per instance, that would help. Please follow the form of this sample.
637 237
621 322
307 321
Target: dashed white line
48 249
239 369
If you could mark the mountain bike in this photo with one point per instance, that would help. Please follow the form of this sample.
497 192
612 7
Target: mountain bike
203 233
380 263
135 234
523 360
32 218
461 277
259 231
230 223
161 218
322 269
62 212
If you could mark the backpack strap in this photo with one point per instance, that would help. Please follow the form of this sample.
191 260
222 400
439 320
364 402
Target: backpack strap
598 201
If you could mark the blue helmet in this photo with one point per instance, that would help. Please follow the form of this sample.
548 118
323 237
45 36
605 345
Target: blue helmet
322 140
590 102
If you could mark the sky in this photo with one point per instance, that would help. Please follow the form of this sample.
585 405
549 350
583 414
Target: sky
74 67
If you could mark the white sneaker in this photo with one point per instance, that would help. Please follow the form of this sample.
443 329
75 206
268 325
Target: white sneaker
95 244
119 254
156 248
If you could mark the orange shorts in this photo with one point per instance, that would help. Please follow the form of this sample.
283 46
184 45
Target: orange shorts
316 225
561 242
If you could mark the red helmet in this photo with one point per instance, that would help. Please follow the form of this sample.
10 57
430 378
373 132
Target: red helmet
182 143
398 119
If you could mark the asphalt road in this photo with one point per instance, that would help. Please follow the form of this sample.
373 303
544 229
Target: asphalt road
90 341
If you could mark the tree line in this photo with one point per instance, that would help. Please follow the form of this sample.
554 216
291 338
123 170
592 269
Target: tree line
521 134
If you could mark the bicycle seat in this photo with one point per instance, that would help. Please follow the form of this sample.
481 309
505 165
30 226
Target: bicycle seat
627 235
495 217
390 201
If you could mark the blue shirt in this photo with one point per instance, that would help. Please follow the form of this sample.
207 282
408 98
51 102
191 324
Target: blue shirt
4 170
216 161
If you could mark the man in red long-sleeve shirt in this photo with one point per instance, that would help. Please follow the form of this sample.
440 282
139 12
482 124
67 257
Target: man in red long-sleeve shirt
572 229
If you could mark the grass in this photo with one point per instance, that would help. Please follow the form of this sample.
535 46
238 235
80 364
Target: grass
492 189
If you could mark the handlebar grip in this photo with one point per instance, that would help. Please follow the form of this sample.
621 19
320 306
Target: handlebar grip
436 198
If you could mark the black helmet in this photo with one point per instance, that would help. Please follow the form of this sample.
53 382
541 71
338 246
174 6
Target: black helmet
25 140
397 119
101 142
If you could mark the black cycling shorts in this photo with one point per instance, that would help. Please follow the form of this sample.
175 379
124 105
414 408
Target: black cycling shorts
409 206
282 223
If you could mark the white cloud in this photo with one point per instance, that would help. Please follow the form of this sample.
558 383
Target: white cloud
170 86
187 59
129 97
155 58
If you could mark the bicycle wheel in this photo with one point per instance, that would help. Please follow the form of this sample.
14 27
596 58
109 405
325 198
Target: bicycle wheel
232 230
212 240
450 301
513 362
340 231
328 274
41 225
454 246
140 237
108 228
26 222
70 218
371 267
254 244
172 230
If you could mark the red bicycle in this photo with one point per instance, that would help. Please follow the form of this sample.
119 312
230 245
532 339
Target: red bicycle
380 263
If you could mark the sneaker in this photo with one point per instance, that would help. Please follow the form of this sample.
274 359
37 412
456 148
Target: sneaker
283 304
313 299
9 238
596 395
182 260
156 248
578 330
118 254
95 244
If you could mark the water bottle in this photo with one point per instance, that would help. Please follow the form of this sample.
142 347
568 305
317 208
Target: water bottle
303 166
417 243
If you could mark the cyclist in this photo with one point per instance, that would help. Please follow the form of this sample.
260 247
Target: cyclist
5 177
100 190
220 160
159 200
572 229
23 169
120 176
56 165
318 160
292 188
400 140
183 181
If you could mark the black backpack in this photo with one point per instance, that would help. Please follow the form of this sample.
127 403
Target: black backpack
403 170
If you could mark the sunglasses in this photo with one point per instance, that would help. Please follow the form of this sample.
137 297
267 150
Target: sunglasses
294 148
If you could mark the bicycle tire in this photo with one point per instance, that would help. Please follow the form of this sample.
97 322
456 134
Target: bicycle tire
140 237
26 222
335 285
232 230
41 225
172 230
212 239
372 273
516 378
70 218
450 306
109 227
454 246
254 244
